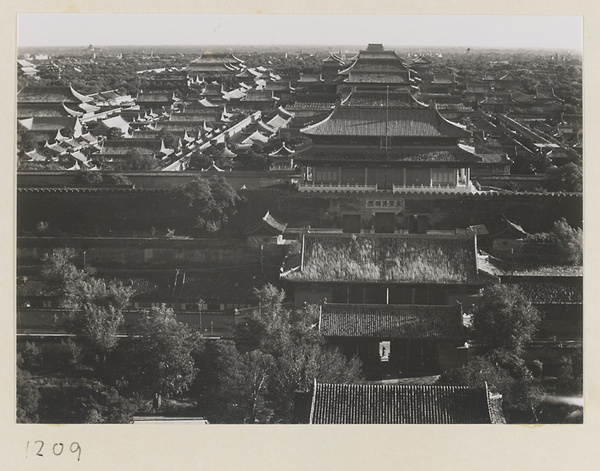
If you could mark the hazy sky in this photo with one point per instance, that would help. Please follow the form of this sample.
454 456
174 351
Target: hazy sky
52 29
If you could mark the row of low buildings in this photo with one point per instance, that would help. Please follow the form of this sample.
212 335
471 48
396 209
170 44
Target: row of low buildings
401 302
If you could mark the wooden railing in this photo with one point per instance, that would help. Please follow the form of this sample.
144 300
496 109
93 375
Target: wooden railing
331 187
357 188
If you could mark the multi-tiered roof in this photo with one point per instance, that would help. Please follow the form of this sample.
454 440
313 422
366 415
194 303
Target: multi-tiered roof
376 67
214 63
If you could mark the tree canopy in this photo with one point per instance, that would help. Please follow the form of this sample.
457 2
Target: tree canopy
136 159
159 356
568 177
284 354
505 318
210 202
114 133
95 305
503 373
569 241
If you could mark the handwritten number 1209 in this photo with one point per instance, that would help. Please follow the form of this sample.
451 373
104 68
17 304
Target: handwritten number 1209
57 449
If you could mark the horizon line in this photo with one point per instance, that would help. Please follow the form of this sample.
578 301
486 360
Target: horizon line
307 45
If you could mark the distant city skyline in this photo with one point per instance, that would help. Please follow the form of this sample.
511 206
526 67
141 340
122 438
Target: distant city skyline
475 31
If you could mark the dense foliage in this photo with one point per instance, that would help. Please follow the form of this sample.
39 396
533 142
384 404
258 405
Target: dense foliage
568 177
284 354
505 319
503 323
569 241
95 305
209 201
158 359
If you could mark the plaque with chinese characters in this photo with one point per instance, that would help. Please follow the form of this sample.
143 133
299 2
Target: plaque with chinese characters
396 205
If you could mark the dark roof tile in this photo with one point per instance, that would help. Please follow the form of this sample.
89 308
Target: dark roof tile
380 122
389 321
552 292
399 404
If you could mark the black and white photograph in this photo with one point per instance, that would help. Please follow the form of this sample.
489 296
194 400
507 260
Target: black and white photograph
308 220
383 233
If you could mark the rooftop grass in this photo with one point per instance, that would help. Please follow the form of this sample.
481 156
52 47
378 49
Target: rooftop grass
389 258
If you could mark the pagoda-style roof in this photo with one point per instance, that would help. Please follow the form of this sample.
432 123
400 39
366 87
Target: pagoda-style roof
278 121
262 126
376 65
213 90
334 59
311 109
545 93
402 404
520 97
38 110
204 102
117 122
486 158
421 60
192 117
212 168
35 156
235 94
381 99
444 78
278 86
283 151
214 63
345 121
494 158
267 224
390 321
255 137
510 230
310 78
110 97
384 258
218 57
87 108
225 152
281 111
249 73
438 98
260 95
53 94
55 148
44 123
378 78
154 96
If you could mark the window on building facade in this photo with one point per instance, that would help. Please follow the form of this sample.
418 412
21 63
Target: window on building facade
325 175
385 350
417 177
353 176
443 177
